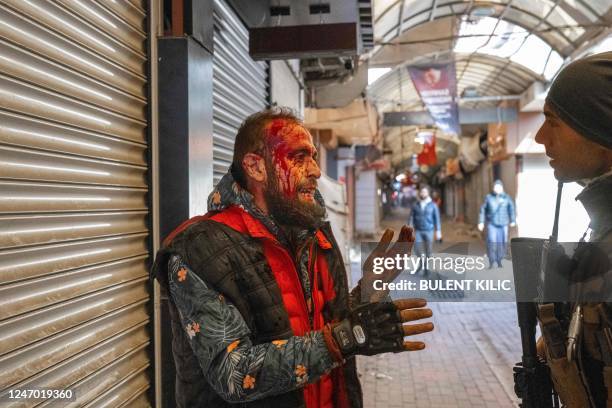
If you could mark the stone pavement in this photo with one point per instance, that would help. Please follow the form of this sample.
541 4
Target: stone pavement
468 360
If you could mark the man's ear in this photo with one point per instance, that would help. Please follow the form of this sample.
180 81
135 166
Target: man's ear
254 167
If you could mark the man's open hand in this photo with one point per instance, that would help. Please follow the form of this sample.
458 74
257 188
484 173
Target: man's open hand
403 245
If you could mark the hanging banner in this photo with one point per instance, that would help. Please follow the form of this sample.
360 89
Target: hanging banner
496 141
472 151
427 156
437 87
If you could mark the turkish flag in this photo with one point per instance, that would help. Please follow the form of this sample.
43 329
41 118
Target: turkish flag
428 154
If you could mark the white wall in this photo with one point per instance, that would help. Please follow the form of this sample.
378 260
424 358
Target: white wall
346 157
477 185
508 175
336 204
521 133
284 88
449 198
367 203
535 201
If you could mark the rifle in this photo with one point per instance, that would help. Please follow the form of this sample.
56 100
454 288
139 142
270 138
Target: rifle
532 260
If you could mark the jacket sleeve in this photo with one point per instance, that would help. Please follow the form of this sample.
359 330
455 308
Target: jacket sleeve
219 337
437 223
411 217
511 212
483 208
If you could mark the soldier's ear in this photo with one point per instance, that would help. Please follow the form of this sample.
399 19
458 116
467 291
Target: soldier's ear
254 167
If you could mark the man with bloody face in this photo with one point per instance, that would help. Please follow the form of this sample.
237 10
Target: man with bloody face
260 308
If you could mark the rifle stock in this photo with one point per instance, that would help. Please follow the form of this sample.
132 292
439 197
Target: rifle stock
532 382
532 259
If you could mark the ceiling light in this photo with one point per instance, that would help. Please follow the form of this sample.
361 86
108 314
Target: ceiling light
470 92
483 11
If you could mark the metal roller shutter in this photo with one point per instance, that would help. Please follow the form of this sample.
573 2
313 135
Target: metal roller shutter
240 86
74 249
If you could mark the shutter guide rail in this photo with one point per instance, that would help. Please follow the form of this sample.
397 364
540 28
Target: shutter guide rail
74 206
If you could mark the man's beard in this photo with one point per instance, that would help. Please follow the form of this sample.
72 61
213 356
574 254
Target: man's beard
291 211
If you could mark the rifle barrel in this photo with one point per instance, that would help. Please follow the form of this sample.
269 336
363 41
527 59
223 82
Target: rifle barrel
555 231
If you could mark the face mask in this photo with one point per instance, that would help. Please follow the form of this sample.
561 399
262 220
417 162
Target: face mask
498 189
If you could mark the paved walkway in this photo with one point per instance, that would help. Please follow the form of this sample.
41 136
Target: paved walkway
468 360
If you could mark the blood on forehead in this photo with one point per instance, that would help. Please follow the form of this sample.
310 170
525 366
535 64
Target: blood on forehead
278 130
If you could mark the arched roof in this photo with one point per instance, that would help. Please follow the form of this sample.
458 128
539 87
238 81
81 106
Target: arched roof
563 24
486 74
501 46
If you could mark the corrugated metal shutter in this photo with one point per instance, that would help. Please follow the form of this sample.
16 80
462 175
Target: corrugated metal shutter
73 200
240 86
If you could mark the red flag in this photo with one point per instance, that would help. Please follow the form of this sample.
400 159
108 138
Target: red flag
428 154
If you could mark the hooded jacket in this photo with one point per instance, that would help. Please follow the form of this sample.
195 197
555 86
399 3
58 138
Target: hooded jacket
235 251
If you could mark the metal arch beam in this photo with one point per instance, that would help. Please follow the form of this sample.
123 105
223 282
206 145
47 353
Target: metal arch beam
542 20
385 11
586 6
478 61
515 22
434 6
499 89
477 78
400 15
465 99
467 116
393 80
518 76
460 2
500 18
475 67
493 61
489 60
506 80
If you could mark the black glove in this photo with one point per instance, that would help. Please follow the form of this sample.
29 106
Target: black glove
375 328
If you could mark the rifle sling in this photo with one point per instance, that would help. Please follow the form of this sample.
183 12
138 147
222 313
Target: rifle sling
553 334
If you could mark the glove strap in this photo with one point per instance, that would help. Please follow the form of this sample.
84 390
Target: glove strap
343 334
332 344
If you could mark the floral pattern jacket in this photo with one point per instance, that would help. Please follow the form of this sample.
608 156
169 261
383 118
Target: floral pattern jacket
237 369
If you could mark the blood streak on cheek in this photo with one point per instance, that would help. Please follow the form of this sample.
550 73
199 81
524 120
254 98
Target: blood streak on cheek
280 130
284 169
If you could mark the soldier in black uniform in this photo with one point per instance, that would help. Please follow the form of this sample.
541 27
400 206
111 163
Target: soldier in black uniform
577 135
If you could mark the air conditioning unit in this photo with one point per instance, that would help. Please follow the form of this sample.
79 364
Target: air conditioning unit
300 29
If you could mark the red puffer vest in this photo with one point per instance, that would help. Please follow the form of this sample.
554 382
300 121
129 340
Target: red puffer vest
283 267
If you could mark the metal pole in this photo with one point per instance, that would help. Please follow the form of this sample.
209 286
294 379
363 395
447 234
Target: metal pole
155 29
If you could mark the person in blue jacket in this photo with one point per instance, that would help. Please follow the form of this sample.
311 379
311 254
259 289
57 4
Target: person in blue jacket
425 219
498 212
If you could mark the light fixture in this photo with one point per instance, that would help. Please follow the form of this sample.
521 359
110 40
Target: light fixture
483 11
470 92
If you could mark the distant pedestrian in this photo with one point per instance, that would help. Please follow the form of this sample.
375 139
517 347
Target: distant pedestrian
425 219
498 212
435 197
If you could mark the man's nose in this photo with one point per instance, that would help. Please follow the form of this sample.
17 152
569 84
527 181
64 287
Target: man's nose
541 135
313 169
